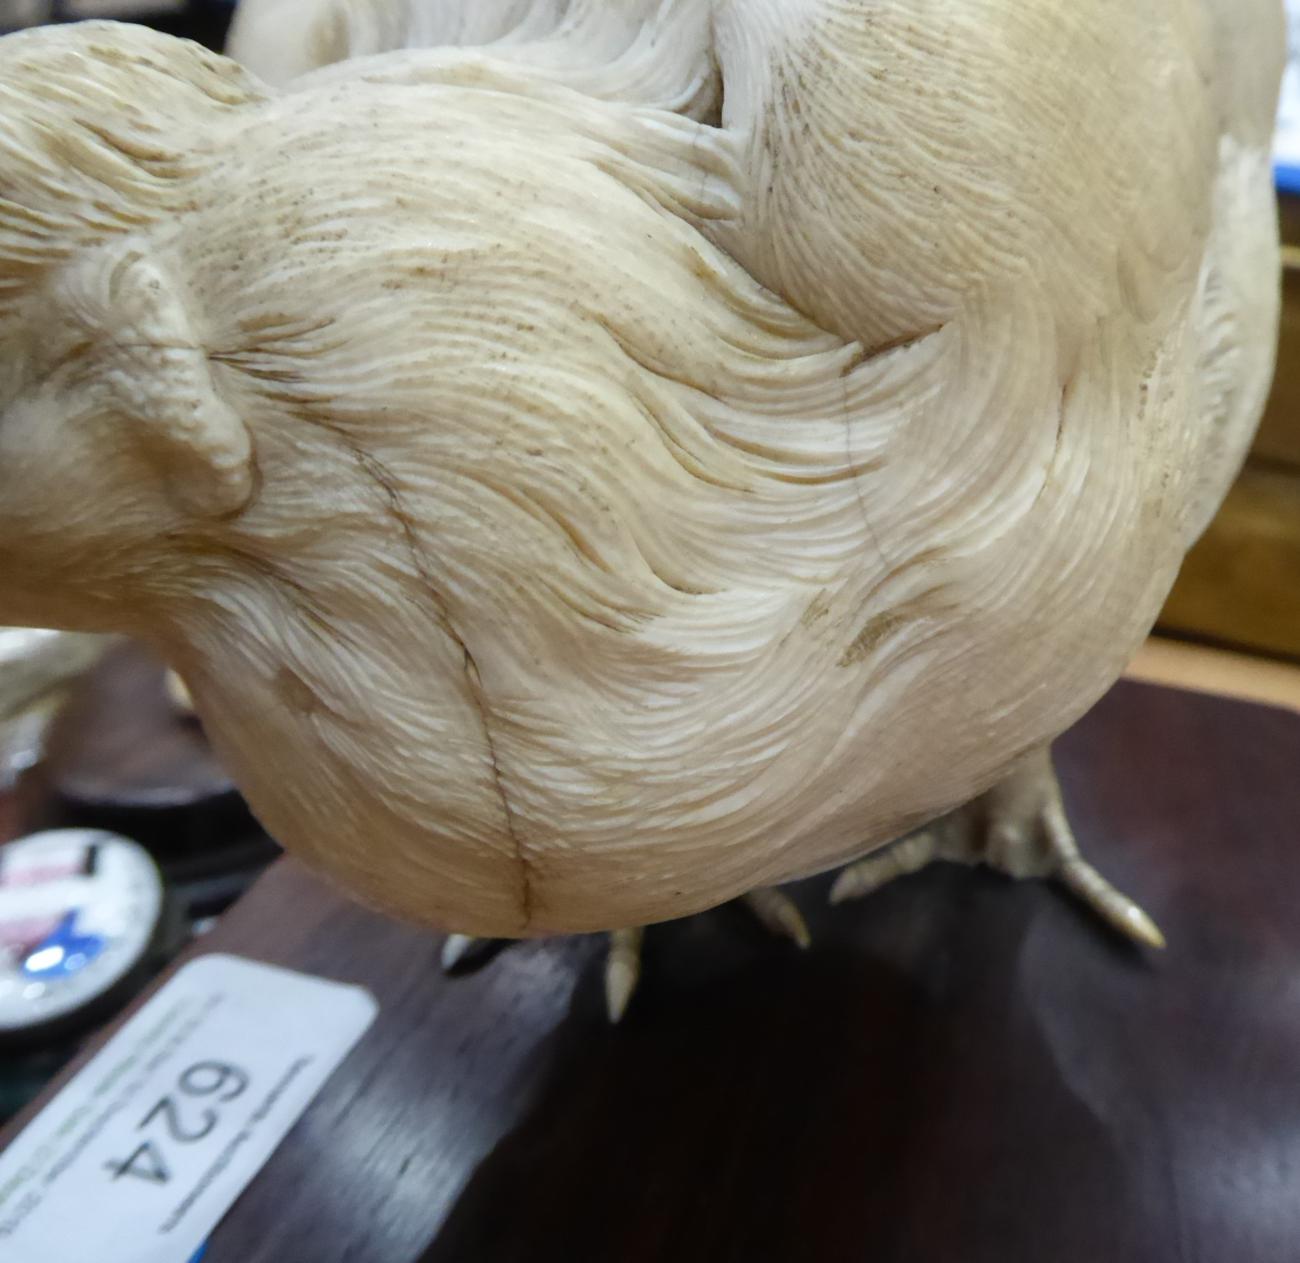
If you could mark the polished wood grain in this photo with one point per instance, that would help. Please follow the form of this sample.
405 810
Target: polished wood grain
961 1070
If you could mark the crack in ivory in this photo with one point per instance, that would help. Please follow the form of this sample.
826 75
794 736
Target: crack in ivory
383 478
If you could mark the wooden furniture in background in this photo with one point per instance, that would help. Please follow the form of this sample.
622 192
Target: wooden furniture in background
1241 584
1177 664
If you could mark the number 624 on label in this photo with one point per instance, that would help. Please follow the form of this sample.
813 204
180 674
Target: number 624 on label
186 1116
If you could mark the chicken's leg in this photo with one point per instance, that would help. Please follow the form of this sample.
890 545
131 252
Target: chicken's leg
1019 827
777 912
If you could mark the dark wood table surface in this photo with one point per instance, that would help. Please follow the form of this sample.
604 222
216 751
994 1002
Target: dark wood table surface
961 1070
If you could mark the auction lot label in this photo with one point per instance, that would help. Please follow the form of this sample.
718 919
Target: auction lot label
143 1153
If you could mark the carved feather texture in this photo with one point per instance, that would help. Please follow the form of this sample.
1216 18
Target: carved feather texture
659 495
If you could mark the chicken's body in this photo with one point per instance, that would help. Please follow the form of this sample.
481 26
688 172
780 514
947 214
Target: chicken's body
645 510
644 52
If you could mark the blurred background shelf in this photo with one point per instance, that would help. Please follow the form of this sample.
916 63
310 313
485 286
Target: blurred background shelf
1240 586
1204 669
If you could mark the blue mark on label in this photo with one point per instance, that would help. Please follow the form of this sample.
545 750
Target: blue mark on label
63 953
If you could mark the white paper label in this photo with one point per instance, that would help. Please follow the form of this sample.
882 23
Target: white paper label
140 1156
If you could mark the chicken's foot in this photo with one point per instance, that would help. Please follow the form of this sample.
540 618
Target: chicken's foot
774 910
1020 828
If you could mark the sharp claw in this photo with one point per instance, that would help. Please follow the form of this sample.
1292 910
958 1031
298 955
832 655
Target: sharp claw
620 983
622 972
1130 920
779 913
1141 927
178 693
856 881
1116 908
907 856
461 950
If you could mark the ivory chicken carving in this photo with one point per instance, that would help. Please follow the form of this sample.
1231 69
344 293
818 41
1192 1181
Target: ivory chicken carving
667 449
